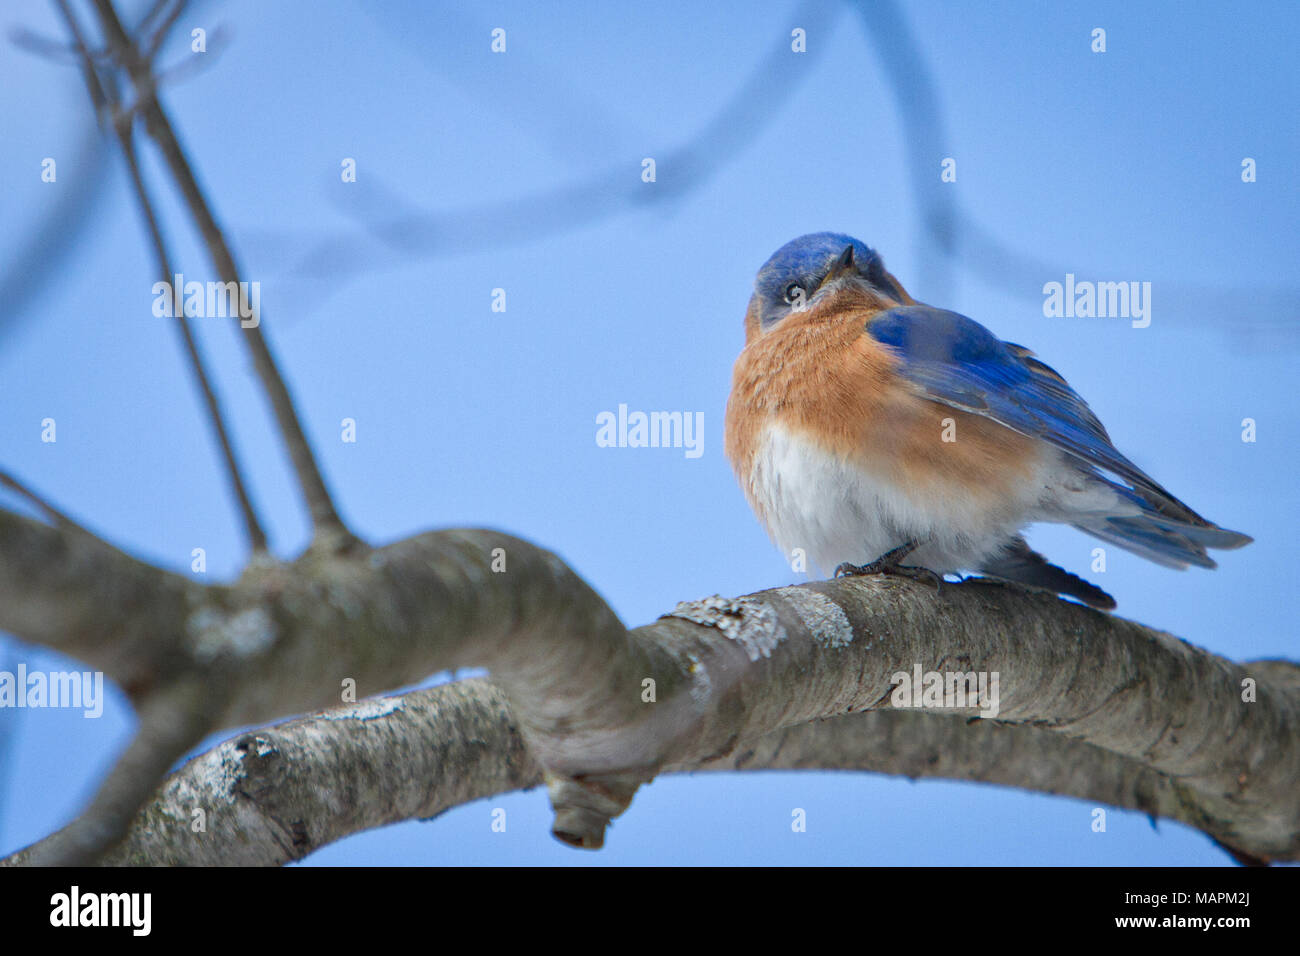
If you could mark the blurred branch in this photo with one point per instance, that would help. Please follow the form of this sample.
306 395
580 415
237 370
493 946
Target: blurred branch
924 133
329 527
1257 318
40 503
252 525
55 238
959 239
122 123
156 25
403 228
39 264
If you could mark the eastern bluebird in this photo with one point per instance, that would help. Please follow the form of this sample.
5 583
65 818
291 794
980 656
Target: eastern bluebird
865 425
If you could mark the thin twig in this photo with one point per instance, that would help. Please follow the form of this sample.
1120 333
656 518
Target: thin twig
324 517
122 128
45 507
42 46
154 40
256 534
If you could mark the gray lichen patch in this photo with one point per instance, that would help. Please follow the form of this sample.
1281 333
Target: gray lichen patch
216 633
751 623
825 619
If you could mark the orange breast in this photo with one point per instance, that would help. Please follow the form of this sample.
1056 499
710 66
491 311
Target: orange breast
822 377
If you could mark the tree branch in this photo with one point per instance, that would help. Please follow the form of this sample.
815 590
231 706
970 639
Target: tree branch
325 518
122 124
726 672
276 795
40 503
171 722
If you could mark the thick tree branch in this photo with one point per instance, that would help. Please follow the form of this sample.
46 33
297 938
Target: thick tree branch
171 722
725 672
277 794
274 795
69 590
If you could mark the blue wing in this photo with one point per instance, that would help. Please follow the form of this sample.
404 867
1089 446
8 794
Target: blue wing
956 361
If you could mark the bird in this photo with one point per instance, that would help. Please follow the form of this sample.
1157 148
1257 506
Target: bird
869 429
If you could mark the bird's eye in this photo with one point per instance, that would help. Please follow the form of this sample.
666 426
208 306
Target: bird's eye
793 292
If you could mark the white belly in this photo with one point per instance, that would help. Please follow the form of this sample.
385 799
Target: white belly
836 512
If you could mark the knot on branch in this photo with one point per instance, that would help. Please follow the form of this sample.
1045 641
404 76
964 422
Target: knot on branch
584 806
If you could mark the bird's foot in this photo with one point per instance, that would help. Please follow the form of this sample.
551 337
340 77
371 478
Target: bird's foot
888 563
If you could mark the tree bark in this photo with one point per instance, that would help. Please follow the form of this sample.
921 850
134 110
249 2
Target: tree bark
1158 724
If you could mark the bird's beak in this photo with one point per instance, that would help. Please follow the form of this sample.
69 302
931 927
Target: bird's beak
842 265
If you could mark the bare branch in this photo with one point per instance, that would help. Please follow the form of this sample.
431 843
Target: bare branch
725 672
276 795
77 594
43 505
170 724
122 127
153 37
252 525
42 46
404 229
329 527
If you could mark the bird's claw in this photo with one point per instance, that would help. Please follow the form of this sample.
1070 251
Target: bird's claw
888 563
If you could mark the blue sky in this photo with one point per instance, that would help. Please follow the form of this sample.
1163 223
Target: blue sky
1122 165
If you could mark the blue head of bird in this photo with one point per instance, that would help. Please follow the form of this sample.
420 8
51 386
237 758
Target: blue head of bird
811 269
